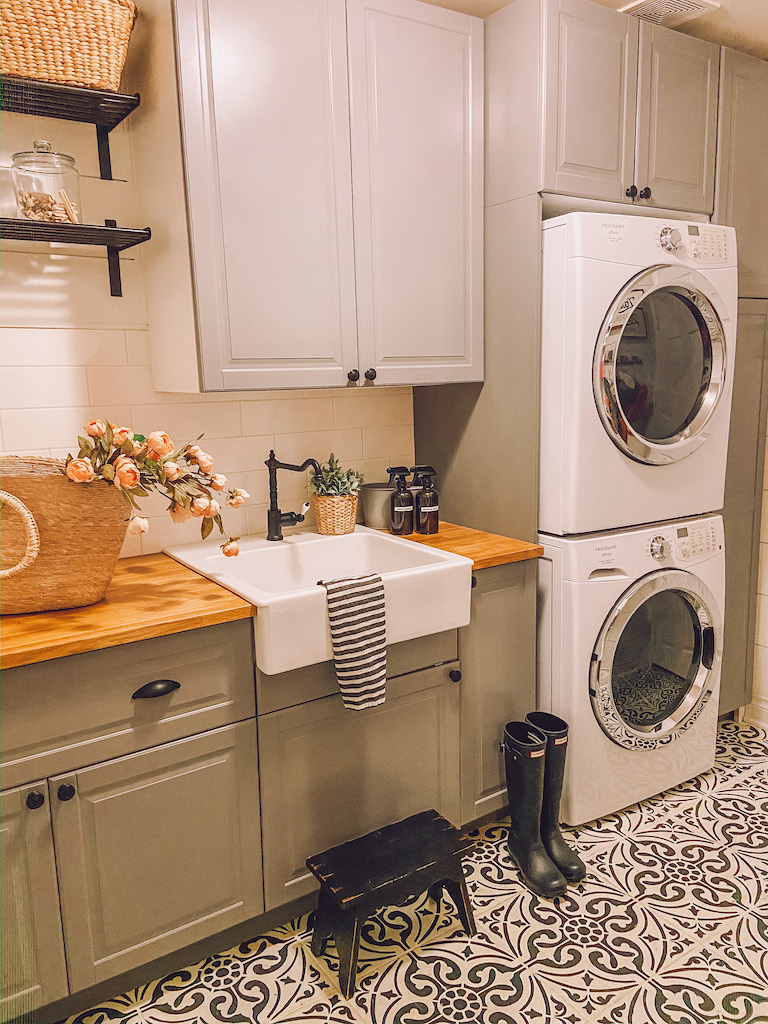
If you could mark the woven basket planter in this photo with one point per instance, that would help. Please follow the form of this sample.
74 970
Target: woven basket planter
72 42
77 529
335 513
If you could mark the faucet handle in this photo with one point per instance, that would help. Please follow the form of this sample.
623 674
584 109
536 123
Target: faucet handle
304 509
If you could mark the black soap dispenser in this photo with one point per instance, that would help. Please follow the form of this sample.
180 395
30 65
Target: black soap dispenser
401 504
427 509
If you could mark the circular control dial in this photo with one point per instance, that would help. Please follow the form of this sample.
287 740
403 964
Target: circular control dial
659 548
670 239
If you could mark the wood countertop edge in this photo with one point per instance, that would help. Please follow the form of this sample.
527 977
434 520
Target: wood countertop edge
133 611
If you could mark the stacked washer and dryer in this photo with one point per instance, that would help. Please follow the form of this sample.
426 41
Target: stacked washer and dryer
638 342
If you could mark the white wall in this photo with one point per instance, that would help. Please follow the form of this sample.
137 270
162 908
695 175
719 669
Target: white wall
69 352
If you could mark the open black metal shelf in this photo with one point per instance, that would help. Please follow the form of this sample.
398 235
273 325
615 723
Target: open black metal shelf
103 109
114 238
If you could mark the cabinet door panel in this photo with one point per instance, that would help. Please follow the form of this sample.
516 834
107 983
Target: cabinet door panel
265 116
416 81
498 684
590 101
329 775
157 850
742 174
677 119
33 968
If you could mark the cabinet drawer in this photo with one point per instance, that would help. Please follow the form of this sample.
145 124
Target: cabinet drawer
287 689
71 712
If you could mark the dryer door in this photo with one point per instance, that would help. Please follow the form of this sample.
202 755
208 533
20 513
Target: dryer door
660 364
657 658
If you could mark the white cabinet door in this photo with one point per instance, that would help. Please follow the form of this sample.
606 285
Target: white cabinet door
590 100
265 114
33 968
742 176
416 84
676 120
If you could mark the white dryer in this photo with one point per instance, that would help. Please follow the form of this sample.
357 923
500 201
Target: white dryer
629 650
638 342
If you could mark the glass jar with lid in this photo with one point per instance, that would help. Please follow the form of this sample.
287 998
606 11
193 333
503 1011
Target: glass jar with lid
47 185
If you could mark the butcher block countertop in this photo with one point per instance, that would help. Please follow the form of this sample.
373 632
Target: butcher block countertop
153 595
149 596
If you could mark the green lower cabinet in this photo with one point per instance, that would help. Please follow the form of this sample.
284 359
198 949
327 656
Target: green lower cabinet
329 775
31 947
497 651
157 850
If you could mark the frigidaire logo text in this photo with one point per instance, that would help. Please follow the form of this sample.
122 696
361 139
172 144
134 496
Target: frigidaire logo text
611 224
605 547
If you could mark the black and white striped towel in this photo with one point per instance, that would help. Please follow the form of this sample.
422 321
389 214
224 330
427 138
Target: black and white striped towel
359 638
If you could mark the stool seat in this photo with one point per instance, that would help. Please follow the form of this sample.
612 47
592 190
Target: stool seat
381 869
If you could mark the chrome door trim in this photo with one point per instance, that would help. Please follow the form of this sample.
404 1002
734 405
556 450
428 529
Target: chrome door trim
694 287
706 611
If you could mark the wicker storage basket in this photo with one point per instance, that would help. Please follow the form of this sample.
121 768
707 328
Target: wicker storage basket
73 42
79 528
335 513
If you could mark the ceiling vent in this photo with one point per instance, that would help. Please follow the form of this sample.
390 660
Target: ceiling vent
669 12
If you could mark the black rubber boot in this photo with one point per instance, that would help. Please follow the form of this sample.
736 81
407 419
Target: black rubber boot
556 732
524 753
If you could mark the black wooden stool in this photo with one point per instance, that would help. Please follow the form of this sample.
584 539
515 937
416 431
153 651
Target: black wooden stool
383 869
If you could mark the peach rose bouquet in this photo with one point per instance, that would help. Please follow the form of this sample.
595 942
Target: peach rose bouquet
137 465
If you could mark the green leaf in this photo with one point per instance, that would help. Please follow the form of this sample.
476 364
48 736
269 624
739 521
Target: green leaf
109 436
205 527
126 448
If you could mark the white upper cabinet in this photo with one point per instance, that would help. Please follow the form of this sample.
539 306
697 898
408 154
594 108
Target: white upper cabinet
742 174
416 82
333 161
626 111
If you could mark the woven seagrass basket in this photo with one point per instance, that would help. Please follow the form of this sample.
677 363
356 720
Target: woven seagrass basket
335 513
72 42
59 540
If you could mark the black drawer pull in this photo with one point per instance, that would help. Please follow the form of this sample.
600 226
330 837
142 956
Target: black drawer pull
157 688
454 675
34 800
66 792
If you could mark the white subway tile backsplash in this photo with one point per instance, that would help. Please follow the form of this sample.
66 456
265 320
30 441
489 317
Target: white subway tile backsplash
185 421
386 442
346 445
25 387
28 429
45 289
237 454
61 346
373 410
130 385
286 415
137 345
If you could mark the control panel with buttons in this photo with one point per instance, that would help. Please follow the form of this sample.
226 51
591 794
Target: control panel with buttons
708 243
695 541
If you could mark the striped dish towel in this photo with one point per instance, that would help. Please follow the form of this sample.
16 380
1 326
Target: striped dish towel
358 635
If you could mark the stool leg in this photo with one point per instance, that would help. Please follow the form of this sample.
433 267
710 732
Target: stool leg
456 888
324 918
435 892
347 937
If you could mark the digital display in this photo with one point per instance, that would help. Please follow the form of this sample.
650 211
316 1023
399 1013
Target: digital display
693 229
682 531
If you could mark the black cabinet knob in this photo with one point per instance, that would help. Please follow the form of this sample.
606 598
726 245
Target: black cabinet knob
66 792
370 374
631 192
34 800
157 688
454 675
644 193
353 375
474 582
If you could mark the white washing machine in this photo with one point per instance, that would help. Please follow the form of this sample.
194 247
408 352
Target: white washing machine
629 650
638 342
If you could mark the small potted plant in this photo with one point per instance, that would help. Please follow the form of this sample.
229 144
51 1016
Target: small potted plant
334 497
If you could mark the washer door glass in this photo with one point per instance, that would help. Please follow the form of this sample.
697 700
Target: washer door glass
660 364
655 660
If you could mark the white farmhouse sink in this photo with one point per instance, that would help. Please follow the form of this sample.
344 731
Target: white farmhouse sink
426 590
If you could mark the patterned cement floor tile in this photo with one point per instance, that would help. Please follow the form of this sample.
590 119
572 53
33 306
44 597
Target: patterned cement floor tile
668 928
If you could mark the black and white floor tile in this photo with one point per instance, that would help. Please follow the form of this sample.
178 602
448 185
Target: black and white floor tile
670 927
